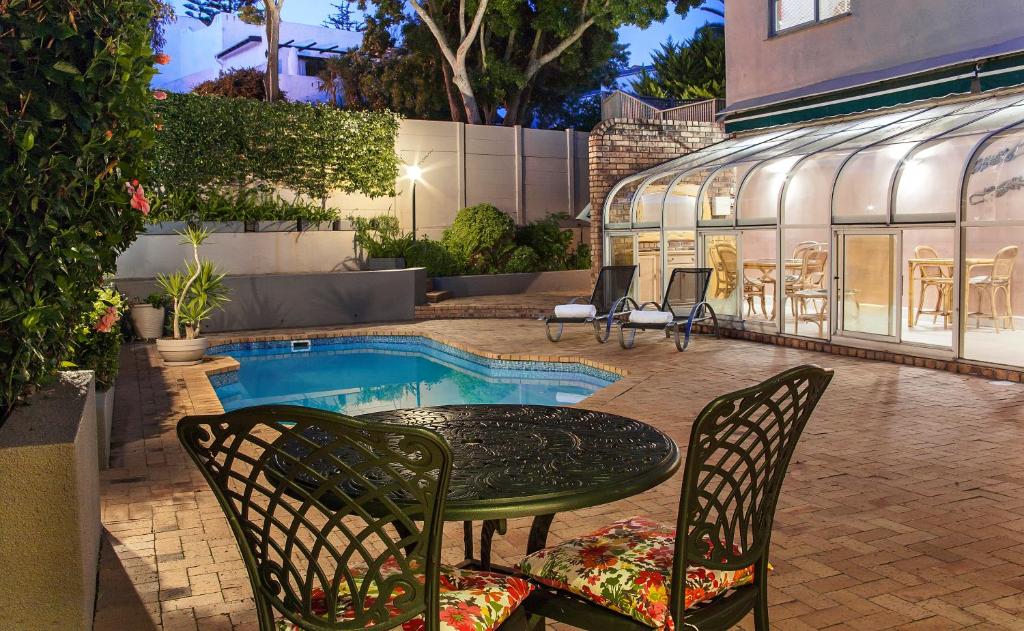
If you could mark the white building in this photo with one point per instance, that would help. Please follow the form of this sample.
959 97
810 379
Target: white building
199 52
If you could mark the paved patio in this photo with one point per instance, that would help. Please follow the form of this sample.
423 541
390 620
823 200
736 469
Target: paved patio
903 508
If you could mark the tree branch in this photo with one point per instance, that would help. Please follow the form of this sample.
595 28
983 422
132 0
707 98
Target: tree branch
467 41
442 42
462 19
536 64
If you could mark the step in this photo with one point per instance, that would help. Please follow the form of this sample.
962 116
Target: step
438 296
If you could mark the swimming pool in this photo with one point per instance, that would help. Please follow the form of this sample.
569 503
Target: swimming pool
361 374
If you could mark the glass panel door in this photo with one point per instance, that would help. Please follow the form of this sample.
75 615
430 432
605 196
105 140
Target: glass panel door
867 284
622 251
648 280
721 255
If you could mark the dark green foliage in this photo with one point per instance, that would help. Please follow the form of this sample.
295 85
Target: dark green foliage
580 258
523 259
245 83
549 241
97 340
343 17
380 237
694 69
205 10
209 142
425 252
482 236
76 125
244 205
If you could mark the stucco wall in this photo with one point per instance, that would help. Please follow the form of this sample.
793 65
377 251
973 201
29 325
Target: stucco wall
879 34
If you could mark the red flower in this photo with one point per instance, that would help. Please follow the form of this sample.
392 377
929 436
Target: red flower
139 201
108 134
649 578
461 617
159 95
416 624
162 58
107 320
518 589
598 556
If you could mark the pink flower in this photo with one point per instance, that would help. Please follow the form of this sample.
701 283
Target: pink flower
159 95
162 58
107 320
138 201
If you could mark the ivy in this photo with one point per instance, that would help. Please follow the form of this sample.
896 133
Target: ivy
75 125
212 142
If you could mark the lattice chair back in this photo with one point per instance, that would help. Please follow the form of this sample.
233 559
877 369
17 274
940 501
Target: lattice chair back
740 447
338 521
929 271
687 288
613 283
1002 264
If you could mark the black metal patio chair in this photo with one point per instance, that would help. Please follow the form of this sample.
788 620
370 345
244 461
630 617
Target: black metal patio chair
343 533
684 305
609 295
711 569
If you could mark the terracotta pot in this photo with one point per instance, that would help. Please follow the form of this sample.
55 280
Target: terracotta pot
182 352
148 321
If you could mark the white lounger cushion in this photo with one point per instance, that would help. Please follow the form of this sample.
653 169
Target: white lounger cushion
575 311
650 317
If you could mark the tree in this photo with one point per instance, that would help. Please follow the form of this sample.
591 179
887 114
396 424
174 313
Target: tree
272 11
343 17
163 13
205 10
694 69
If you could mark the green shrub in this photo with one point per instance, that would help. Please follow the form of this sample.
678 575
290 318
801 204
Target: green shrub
97 340
75 126
433 256
380 237
244 205
218 143
483 237
551 243
580 259
523 259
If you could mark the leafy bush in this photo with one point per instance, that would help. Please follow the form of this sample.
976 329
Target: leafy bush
217 143
549 241
483 237
194 293
380 237
523 259
97 341
244 205
580 259
433 256
76 125
238 83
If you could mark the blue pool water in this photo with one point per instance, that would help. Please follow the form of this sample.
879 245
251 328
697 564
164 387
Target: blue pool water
356 375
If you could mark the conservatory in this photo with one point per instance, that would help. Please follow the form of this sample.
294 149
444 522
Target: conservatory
894 230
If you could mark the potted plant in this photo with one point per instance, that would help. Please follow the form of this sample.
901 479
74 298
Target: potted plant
95 346
148 316
195 293
381 239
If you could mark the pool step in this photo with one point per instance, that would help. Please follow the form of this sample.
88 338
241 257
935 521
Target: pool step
438 295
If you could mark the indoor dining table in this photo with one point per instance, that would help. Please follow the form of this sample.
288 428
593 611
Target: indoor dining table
533 461
915 265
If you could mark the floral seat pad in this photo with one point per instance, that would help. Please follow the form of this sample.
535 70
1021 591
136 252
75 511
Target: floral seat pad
626 567
470 600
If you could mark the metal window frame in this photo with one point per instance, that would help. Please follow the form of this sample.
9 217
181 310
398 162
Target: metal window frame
774 31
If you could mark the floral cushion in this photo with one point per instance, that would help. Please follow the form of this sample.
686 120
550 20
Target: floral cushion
470 600
626 567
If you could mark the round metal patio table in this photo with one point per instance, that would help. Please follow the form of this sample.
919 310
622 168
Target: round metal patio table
532 460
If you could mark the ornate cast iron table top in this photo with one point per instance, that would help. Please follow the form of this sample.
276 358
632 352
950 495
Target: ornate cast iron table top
519 460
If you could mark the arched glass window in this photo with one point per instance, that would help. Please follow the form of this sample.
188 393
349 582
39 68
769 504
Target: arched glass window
650 199
808 195
995 181
718 199
862 190
681 200
759 197
619 202
927 184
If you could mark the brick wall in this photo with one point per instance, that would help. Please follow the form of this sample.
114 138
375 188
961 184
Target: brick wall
621 147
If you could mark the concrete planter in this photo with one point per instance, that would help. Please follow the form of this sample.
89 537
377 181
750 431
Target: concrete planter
50 514
167 227
320 226
148 321
182 352
276 226
224 226
104 421
376 264
577 281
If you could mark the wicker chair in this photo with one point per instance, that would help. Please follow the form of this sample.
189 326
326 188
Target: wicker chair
998 281
934 277
714 563
342 532
724 261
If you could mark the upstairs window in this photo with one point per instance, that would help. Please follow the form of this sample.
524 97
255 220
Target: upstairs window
788 14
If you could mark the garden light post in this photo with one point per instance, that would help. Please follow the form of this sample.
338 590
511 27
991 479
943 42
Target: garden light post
414 172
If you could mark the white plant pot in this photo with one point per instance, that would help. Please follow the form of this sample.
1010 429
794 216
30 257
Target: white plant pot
104 421
182 352
148 321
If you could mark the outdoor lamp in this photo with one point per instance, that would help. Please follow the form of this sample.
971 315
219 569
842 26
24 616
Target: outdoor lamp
414 172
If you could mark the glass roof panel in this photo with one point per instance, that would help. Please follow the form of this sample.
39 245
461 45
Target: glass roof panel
993 103
718 200
995 183
992 122
928 181
619 202
681 200
862 190
758 201
650 199
808 195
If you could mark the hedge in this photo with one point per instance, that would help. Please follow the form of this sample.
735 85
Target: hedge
76 125
213 142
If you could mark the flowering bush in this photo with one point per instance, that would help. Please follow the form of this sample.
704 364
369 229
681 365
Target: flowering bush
97 341
76 123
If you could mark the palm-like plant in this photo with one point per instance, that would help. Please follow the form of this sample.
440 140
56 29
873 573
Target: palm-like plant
196 292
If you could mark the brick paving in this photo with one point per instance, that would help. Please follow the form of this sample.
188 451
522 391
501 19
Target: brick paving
903 508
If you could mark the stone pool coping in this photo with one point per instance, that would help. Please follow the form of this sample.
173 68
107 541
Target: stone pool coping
205 401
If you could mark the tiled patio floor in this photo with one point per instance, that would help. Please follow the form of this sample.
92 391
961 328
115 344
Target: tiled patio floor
904 506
